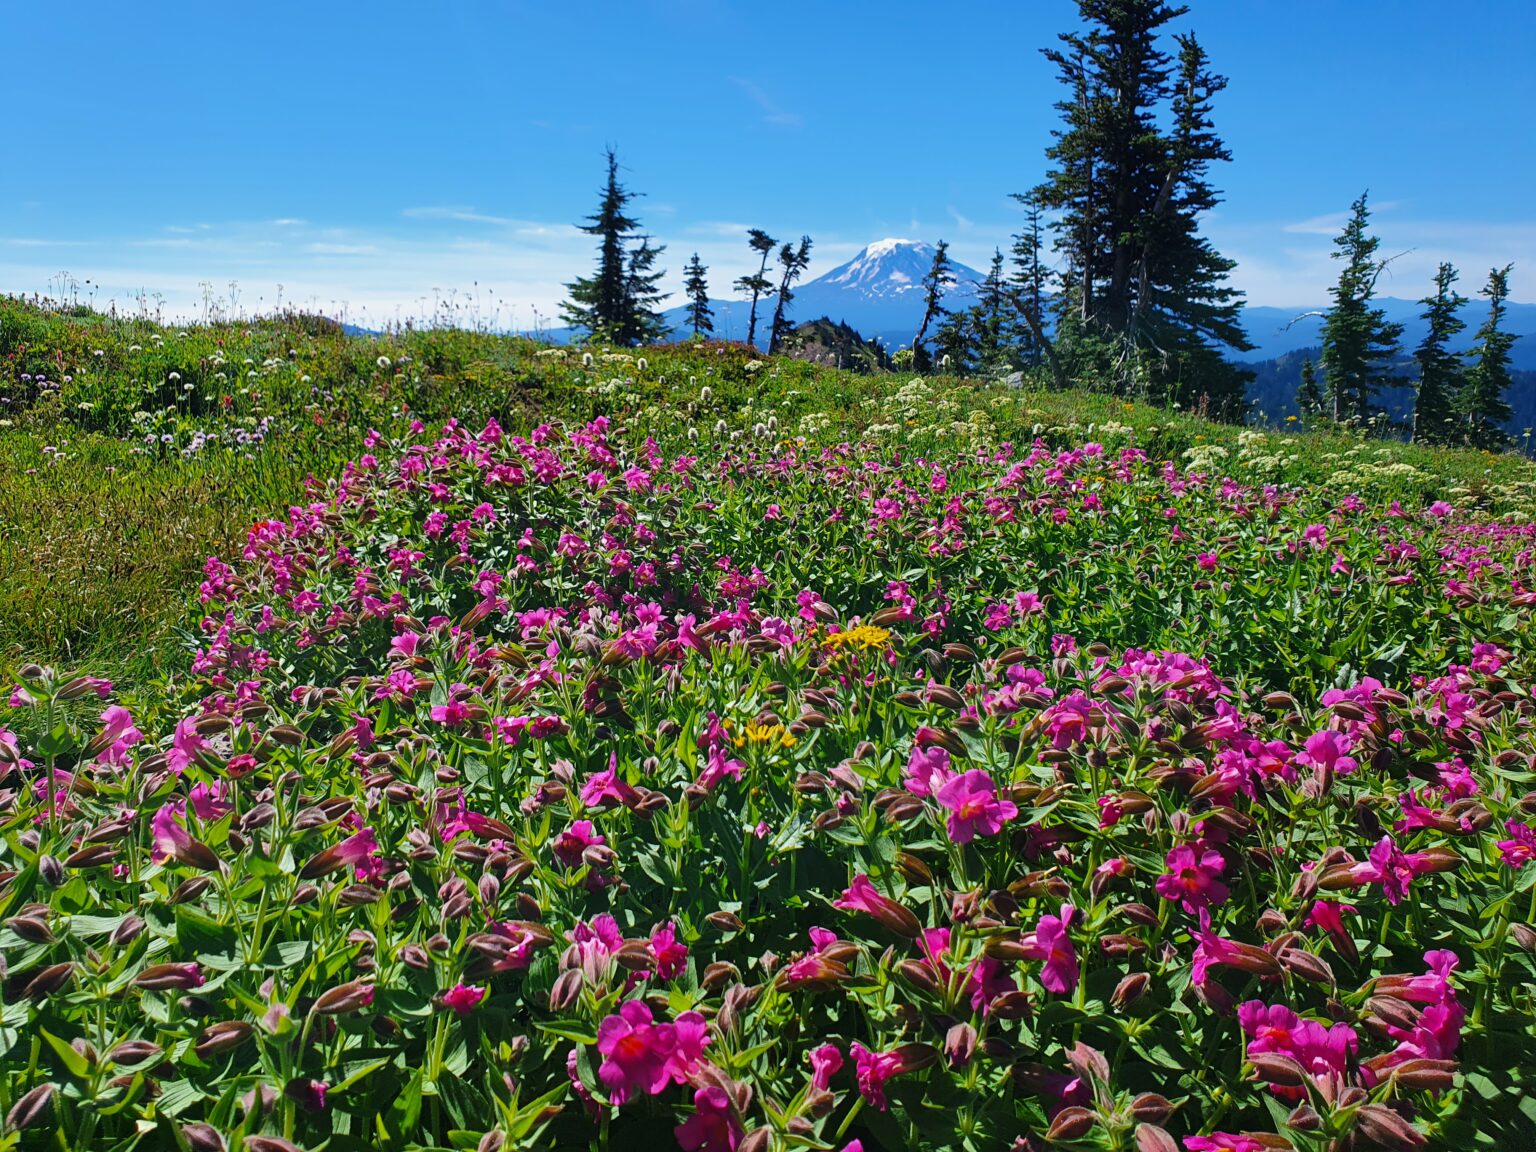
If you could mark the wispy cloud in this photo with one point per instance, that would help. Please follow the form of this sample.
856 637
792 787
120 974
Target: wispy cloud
457 214
772 113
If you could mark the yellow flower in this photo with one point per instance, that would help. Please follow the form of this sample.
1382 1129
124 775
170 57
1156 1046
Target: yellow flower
756 733
863 637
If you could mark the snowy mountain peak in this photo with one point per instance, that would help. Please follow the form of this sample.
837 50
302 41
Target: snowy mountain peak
889 267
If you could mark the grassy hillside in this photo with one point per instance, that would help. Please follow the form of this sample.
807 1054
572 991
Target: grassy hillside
129 452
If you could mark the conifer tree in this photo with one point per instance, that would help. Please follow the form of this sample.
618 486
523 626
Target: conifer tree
618 303
1309 397
793 261
936 281
1359 343
757 286
1144 298
1483 406
700 316
992 323
1440 369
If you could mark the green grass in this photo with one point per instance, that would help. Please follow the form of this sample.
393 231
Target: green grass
103 535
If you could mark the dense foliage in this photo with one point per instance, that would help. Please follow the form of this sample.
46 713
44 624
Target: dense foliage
569 789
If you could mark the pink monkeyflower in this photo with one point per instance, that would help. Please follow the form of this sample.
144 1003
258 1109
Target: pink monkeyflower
1067 720
1329 751
517 942
987 980
405 644
207 801
1193 879
1224 1142
1329 916
1520 849
927 770
863 896
606 788
1390 867
974 806
185 746
714 1125
1276 1029
358 847
826 1061
1212 951
669 956
872 1070
575 840
1049 942
170 839
637 1052
452 714
1208 561
118 733
464 998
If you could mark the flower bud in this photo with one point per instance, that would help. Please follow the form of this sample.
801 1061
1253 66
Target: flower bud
225 1036
1304 1118
959 1045
566 991
1150 1108
344 998
202 1138
1380 1125
1151 1138
1071 1123
1278 1069
49 980
131 1052
31 1109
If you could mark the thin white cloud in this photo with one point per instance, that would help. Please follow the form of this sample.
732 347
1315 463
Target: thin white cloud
772 113
457 214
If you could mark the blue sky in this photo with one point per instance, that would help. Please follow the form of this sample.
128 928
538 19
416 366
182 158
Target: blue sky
372 157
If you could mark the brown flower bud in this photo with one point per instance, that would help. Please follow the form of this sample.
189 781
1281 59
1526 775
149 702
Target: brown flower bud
1151 1138
1278 1069
225 1036
131 1052
724 921
1072 1123
30 928
1131 989
49 980
959 1044
1151 1108
1381 1125
31 1109
344 998
202 1138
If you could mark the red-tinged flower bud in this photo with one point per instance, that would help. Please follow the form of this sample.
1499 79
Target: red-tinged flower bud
259 1101
1271 922
1008 949
352 996
49 980
959 1045
1398 1013
1013 1005
757 1140
1119 944
164 977
1151 1138
1382 1126
913 1058
415 956
270 1144
1524 935
30 928
190 889
1278 1069
202 1138
1071 1123
567 990
827 821
1304 1118
919 975
1089 1063
225 1036
49 868
305 894
1309 967
956 650
32 1109
1220 1001
1131 989
1138 913
1426 1075
718 974
131 1052
724 921
945 697
1150 1108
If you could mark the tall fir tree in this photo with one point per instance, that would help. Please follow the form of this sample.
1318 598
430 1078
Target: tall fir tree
1483 407
1145 299
1309 397
700 316
757 286
619 302
1440 370
792 262
936 281
1359 342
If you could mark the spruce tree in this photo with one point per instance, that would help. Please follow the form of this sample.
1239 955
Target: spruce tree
1359 343
618 303
700 316
757 286
1440 369
1484 409
793 261
1309 397
1144 297
936 281
992 328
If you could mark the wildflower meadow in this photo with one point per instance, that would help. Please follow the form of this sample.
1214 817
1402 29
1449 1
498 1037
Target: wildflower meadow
724 754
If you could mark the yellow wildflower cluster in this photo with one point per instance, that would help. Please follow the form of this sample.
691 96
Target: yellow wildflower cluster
772 734
863 637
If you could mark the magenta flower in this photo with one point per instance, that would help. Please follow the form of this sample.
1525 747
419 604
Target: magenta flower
1049 942
118 733
170 839
1520 849
464 998
1390 867
637 1052
185 746
927 770
1276 1029
207 801
575 840
669 956
1224 1142
987 980
1328 915
826 1061
714 1125
606 788
1328 751
862 896
1193 879
974 806
452 714
872 1070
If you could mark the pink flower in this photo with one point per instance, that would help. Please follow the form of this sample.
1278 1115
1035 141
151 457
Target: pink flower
1276 1029
170 839
987 980
862 896
714 1125
575 840
872 1070
669 956
606 788
1328 751
1224 1142
637 1052
927 770
1193 878
452 714
1212 950
1520 849
974 806
464 998
1390 867
1050 942
185 746
208 801
1208 561
359 847
1067 720
826 1061
118 733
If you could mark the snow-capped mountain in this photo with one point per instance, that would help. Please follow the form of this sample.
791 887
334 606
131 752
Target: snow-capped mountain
879 292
